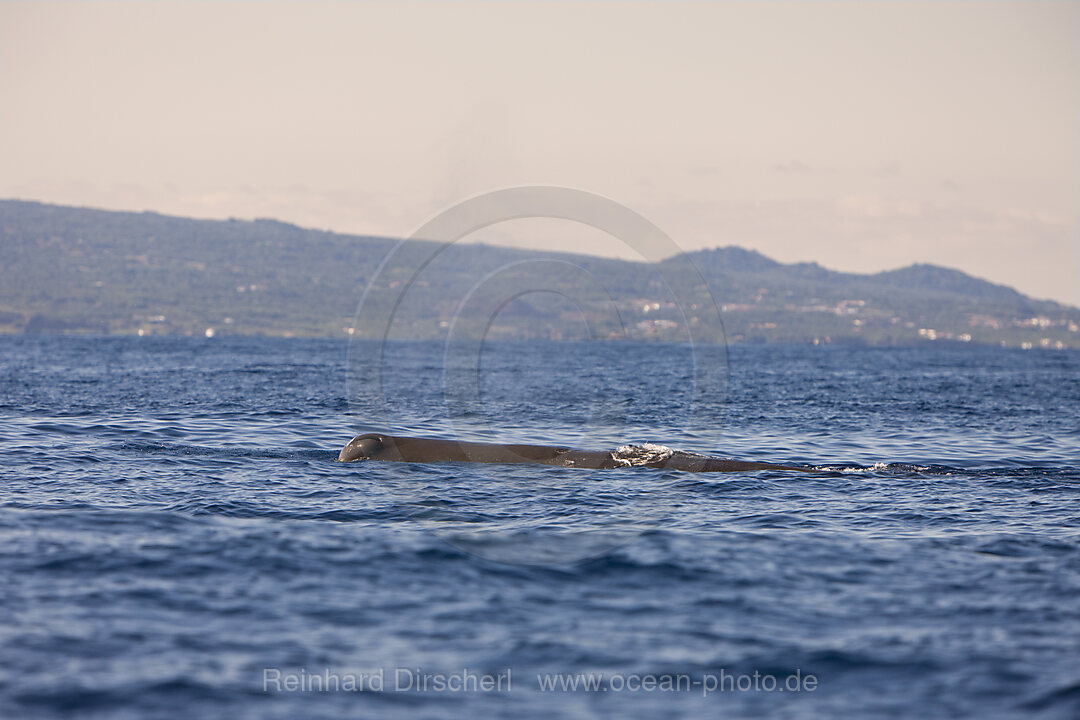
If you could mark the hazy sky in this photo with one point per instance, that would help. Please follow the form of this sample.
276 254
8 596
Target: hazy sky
863 135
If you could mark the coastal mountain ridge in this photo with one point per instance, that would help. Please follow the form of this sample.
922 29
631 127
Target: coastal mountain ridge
69 269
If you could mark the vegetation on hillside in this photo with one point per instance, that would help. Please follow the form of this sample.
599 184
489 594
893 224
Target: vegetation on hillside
70 269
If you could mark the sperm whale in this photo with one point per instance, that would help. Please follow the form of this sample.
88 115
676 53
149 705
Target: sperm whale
376 446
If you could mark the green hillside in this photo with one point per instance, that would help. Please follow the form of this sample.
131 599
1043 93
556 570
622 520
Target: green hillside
65 269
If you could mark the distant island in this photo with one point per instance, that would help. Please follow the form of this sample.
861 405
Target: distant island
78 270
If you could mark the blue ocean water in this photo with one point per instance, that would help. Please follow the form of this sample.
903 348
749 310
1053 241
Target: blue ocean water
177 540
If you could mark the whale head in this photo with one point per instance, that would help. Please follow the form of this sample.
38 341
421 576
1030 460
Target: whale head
360 447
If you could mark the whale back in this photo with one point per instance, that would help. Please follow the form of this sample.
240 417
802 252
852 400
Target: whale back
373 446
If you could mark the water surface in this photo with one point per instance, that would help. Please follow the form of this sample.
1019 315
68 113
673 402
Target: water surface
175 531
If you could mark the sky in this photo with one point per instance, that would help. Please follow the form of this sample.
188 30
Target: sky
863 135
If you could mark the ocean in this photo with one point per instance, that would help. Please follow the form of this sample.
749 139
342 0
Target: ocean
178 540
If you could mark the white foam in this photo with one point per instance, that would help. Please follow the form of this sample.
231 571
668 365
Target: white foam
875 466
643 454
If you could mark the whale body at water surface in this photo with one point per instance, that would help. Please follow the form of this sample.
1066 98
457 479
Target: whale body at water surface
376 446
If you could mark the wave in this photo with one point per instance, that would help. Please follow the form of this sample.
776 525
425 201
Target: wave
257 453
